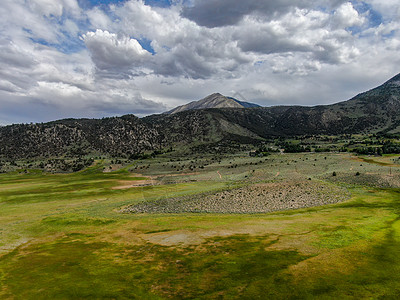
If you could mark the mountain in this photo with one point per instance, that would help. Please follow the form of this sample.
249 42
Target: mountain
215 100
374 111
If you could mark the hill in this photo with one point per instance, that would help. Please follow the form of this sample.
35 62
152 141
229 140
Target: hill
117 136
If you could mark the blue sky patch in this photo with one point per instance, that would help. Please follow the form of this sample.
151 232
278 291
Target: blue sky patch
146 44
87 4
374 17
68 47
158 3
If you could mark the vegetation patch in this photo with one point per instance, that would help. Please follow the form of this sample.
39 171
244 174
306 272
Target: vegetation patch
63 236
68 221
238 266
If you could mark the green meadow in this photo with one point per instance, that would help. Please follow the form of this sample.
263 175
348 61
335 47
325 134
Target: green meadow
64 236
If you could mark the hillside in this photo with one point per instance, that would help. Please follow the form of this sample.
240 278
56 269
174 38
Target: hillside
122 136
375 111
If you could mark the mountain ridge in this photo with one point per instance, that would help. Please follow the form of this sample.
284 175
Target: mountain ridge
374 111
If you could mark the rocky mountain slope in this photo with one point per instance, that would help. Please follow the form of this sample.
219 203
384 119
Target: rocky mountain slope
215 100
122 136
375 111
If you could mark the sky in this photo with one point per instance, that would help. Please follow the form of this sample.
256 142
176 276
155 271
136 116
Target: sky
101 58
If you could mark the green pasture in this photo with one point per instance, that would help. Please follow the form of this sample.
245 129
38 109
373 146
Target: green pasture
62 236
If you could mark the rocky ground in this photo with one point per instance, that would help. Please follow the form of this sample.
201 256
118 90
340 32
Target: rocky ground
257 198
369 179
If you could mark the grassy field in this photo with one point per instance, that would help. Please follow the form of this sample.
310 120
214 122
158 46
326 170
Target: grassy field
64 236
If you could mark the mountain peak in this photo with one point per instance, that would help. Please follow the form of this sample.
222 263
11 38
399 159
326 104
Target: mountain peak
388 93
394 81
215 100
216 95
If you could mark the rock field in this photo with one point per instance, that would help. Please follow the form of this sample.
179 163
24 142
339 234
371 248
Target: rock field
369 179
256 198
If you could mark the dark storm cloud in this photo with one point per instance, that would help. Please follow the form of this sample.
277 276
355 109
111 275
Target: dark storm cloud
217 13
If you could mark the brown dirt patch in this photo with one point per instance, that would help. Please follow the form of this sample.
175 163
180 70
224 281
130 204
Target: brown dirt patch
127 184
176 175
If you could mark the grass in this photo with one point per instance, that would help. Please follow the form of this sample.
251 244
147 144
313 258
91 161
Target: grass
62 237
82 268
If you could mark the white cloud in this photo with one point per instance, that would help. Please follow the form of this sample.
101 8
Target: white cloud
47 7
389 9
311 37
113 53
71 27
346 16
99 19
54 8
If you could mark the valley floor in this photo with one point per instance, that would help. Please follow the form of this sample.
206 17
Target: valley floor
295 226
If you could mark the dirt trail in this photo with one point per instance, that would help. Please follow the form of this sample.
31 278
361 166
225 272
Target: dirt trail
150 180
127 184
374 160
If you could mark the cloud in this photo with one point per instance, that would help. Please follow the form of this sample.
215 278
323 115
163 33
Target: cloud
15 56
47 7
99 19
110 99
51 8
346 16
115 54
320 35
388 9
182 48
